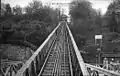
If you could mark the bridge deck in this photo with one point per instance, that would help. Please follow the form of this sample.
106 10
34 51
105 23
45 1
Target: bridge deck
58 56
57 62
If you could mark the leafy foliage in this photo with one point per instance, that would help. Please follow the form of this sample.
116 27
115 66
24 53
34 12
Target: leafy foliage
2 9
86 22
85 19
36 18
17 10
33 7
31 24
8 9
113 16
20 53
80 9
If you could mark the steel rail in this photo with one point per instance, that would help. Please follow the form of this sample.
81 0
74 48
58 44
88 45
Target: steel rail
70 60
47 57
32 58
29 62
79 57
57 69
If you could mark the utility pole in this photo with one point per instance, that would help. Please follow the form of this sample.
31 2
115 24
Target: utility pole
99 55
98 42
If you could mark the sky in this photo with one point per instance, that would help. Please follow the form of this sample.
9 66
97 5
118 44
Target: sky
96 4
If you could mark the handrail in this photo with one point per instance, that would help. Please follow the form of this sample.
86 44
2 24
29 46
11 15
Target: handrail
32 58
79 57
105 71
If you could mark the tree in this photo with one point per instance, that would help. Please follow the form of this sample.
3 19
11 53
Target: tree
85 20
113 13
2 9
17 10
77 6
28 10
98 23
83 16
33 7
36 5
8 9
52 14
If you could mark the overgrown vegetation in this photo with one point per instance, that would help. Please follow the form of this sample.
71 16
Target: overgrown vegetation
25 27
87 22
24 23
34 22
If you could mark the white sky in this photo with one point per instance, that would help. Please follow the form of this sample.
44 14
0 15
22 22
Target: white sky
97 4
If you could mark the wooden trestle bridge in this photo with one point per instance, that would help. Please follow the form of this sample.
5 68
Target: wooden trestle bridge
58 56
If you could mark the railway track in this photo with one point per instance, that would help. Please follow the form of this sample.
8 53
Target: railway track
57 56
57 62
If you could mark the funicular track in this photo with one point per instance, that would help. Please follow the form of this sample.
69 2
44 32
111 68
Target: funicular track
57 62
57 56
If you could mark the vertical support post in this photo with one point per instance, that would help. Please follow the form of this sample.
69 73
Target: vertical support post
99 55
98 42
